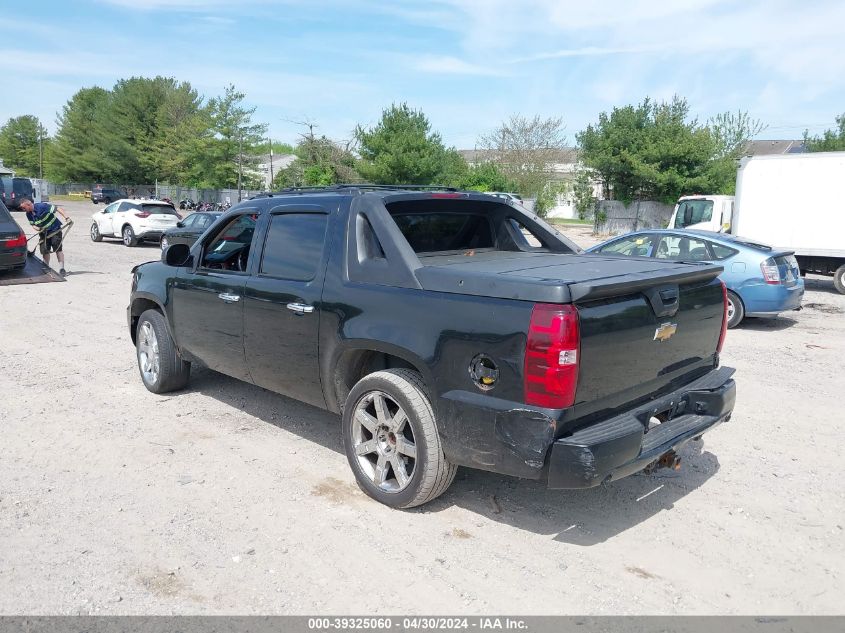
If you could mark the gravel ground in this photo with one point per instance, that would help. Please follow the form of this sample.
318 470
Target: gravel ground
226 498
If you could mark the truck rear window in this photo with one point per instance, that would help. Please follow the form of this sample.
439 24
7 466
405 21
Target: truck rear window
445 232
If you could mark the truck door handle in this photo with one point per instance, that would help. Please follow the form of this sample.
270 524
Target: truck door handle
300 308
669 296
229 298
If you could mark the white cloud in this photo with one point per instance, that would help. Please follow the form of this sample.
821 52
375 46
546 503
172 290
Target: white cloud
801 42
154 5
584 51
447 65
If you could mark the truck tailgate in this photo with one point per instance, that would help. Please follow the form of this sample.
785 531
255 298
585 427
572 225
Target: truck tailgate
647 326
630 350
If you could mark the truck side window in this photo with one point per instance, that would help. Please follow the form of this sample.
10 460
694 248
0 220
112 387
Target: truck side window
369 246
531 240
229 249
294 246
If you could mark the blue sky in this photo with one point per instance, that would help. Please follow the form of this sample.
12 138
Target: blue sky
468 64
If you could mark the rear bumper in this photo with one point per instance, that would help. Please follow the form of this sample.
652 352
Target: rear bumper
12 259
622 445
770 300
150 234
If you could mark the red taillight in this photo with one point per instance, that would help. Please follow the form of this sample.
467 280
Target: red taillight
142 214
447 195
12 242
551 356
724 317
771 272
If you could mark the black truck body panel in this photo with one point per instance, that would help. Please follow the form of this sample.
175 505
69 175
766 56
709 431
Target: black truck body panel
376 304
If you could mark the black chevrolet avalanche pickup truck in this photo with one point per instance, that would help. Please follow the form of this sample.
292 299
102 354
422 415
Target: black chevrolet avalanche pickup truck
447 329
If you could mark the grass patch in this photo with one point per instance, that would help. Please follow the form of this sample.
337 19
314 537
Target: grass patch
570 221
64 198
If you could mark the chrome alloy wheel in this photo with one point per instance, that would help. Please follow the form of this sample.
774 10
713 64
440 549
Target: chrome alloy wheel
731 310
383 441
148 354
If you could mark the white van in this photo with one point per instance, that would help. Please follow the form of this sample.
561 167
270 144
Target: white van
707 213
787 200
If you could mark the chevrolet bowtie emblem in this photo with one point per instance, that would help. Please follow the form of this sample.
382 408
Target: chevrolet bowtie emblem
665 331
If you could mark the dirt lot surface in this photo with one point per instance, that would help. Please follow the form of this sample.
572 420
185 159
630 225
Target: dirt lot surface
226 498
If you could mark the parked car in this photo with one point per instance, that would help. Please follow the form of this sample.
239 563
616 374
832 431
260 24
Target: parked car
12 242
188 230
133 221
761 281
6 190
13 189
106 195
512 197
441 336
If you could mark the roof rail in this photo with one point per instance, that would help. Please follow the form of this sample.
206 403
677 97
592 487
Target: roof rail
398 187
352 187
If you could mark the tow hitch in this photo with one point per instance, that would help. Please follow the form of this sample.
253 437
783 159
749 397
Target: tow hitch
667 460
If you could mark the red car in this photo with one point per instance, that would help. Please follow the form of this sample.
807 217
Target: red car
12 242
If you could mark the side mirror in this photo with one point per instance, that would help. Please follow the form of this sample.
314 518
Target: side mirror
176 255
180 224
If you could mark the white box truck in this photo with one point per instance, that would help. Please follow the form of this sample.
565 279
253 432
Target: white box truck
789 201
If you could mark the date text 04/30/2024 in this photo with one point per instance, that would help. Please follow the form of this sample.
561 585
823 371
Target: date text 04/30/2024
419 623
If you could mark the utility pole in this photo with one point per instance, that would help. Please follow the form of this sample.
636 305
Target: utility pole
270 140
40 151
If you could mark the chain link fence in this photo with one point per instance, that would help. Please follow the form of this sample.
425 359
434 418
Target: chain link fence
174 192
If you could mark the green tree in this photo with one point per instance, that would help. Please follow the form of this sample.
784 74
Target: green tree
144 129
401 149
281 149
649 151
19 145
526 149
582 192
731 132
182 130
547 197
830 141
320 162
75 154
138 128
486 176
232 151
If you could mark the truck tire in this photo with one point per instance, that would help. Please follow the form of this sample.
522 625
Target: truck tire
736 311
129 238
391 440
161 366
839 279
